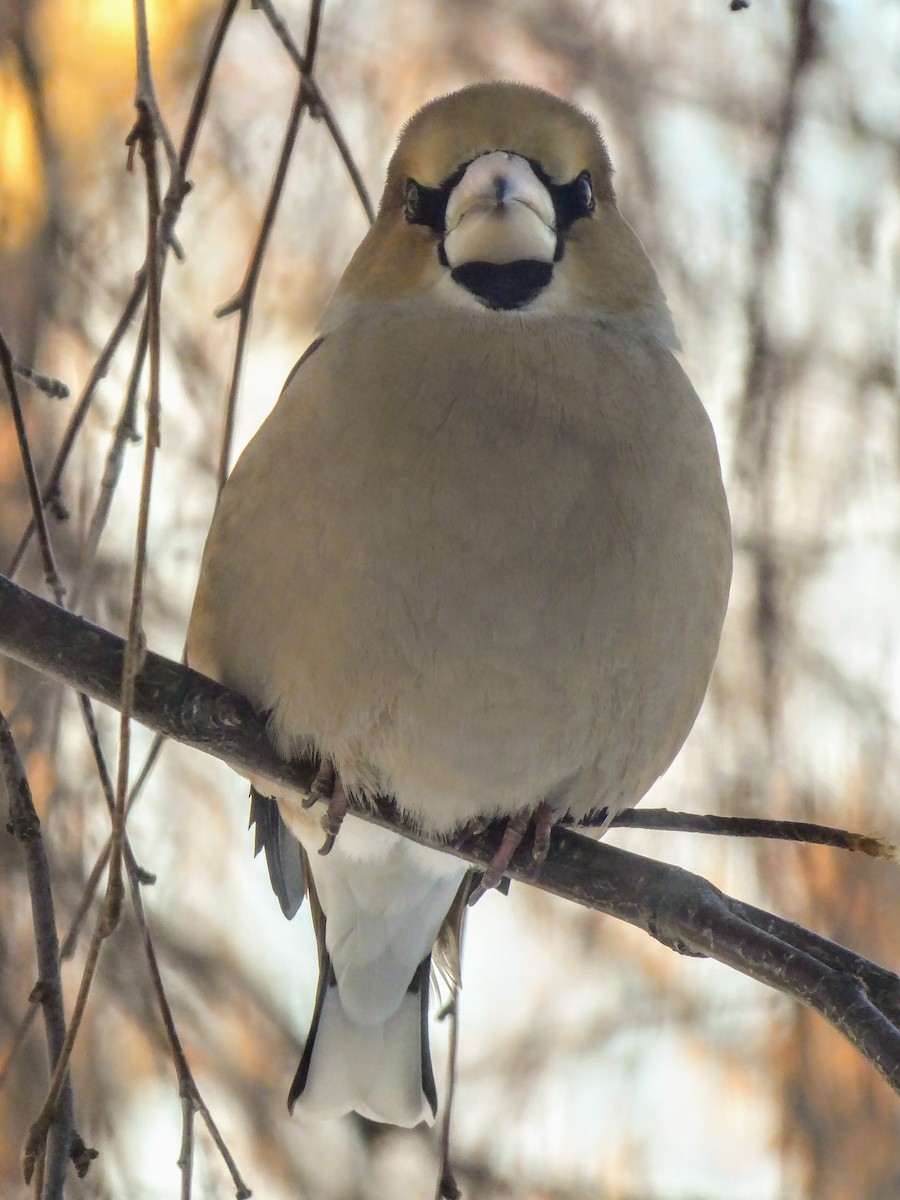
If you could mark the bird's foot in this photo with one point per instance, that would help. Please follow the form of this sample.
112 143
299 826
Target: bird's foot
327 785
334 816
543 823
322 787
516 828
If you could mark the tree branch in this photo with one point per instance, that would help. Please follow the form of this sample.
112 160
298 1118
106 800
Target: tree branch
755 827
26 828
682 910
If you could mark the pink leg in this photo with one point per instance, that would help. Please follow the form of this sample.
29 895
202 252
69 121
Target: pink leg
543 823
516 828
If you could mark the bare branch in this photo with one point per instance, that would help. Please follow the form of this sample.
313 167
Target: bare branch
51 575
54 388
680 909
754 827
26 827
145 92
186 1153
144 134
318 105
33 1155
242 302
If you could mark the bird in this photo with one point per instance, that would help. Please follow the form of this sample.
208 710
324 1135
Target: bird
476 559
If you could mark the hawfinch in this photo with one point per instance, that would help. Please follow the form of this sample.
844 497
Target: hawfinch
476 558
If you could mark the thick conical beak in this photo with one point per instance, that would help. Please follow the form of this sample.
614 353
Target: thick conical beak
499 212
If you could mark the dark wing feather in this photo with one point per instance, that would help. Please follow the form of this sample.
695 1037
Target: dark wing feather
421 983
326 980
307 353
283 854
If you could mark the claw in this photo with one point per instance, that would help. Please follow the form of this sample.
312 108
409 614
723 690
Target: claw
476 827
334 816
322 787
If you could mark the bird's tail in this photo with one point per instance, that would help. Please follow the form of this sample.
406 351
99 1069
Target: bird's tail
380 1070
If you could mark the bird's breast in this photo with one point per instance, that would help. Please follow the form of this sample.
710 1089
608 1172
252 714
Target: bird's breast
482 547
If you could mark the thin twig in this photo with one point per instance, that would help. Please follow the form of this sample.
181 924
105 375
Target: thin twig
326 115
33 1153
93 880
318 105
26 827
185 1161
145 92
137 877
79 415
242 302
51 574
144 135
54 388
188 1089
754 827
126 430
70 941
150 760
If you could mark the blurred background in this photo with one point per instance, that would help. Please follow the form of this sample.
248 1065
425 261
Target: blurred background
757 155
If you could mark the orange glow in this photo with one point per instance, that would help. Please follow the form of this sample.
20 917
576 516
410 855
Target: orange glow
88 48
22 201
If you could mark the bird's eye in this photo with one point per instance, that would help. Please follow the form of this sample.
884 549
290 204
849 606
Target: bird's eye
425 206
413 201
572 200
583 191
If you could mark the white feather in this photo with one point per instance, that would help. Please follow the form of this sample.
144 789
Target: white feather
384 900
375 1070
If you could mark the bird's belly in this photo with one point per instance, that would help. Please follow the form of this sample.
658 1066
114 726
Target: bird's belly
471 655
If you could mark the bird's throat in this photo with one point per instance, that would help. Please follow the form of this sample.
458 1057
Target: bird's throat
504 285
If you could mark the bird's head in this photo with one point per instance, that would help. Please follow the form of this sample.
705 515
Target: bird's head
499 197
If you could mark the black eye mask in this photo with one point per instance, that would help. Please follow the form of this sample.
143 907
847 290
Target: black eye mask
428 206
